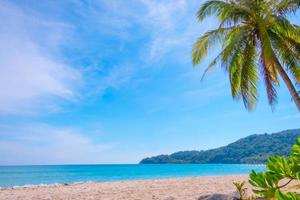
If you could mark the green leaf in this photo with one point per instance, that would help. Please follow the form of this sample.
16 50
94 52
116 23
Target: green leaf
280 166
295 155
298 175
265 184
287 196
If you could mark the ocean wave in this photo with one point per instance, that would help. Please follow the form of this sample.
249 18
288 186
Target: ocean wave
38 185
46 185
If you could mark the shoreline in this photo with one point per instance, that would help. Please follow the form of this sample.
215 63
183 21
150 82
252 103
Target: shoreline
113 181
172 188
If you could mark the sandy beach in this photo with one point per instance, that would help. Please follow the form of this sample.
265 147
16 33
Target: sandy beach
165 189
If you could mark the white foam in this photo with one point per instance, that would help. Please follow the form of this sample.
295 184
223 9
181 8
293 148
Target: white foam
36 186
46 185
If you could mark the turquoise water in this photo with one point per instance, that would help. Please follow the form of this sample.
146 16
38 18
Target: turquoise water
58 174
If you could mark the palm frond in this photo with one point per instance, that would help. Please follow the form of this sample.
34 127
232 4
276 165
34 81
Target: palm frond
286 29
288 53
208 40
235 74
233 43
233 38
256 29
232 61
249 75
267 53
269 82
287 6
227 11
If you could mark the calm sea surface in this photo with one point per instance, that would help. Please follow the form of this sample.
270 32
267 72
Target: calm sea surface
58 174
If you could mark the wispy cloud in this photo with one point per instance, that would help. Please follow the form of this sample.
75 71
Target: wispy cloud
45 144
170 25
116 77
174 28
30 70
164 19
33 71
163 14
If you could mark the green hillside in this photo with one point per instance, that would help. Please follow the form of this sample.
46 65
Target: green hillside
253 149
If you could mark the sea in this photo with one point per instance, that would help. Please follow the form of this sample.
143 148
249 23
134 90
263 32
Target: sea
42 175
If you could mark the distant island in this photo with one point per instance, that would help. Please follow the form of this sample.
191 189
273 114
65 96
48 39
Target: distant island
254 149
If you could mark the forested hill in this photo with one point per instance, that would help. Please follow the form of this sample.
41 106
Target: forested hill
253 149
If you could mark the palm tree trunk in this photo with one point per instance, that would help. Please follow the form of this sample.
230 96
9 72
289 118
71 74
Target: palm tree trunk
290 86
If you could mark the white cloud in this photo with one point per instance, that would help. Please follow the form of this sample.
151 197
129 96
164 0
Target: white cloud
31 72
44 144
169 24
115 78
174 28
163 14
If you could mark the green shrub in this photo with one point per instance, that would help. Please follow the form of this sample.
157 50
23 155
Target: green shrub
280 171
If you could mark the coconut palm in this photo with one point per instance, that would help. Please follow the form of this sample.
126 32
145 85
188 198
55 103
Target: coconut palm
257 40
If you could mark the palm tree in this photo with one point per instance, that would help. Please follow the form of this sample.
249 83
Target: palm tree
256 38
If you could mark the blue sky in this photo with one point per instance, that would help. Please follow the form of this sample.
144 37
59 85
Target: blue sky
112 82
